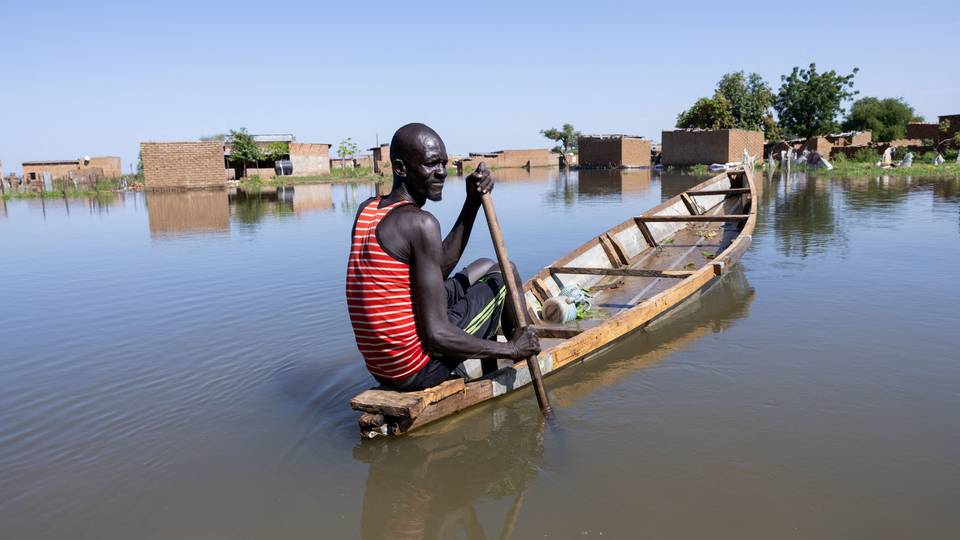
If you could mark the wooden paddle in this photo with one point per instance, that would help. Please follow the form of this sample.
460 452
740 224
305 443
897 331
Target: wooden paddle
516 296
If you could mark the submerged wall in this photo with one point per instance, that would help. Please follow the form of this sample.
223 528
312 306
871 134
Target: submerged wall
695 147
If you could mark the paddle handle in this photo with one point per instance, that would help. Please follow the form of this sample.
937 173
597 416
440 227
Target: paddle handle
516 297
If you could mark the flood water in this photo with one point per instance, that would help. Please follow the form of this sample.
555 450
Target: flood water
179 366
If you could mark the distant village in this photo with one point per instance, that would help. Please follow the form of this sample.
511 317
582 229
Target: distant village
208 164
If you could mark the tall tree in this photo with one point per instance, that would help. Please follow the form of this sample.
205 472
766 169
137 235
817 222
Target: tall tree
707 113
243 148
750 98
886 118
565 137
810 102
740 100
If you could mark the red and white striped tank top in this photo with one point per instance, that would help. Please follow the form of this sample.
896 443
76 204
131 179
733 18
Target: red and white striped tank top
379 301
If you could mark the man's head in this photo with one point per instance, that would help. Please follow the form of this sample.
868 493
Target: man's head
419 160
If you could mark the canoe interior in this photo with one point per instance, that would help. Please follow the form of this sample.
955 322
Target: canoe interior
677 256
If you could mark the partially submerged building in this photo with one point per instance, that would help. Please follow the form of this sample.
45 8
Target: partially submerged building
381 158
183 165
534 157
702 146
613 151
86 167
207 164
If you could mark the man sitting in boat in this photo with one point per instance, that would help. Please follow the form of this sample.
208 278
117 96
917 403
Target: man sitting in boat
414 322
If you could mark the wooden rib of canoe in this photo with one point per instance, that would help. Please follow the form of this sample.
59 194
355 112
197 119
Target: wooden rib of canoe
637 271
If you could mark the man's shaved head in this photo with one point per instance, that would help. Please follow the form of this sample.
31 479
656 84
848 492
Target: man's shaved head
408 142
419 160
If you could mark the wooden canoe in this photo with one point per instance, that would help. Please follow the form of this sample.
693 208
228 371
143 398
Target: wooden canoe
638 271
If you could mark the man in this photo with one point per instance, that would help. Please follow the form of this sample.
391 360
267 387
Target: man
414 323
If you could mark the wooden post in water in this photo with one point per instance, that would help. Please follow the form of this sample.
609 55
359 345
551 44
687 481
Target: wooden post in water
516 297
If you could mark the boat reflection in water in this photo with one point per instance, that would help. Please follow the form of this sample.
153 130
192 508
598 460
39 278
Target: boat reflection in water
430 483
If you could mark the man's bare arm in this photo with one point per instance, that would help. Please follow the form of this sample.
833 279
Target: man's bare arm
455 243
439 334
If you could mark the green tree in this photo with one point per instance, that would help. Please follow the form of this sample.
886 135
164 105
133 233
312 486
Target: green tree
886 118
809 102
276 150
243 148
740 100
565 137
346 149
215 137
707 113
750 99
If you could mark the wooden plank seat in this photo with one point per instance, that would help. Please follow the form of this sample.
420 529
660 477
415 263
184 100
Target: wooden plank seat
629 272
404 405
732 191
683 219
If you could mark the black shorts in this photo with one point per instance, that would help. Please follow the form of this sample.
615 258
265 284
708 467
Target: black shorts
476 310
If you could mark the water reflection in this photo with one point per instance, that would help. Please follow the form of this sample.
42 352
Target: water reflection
431 483
312 198
195 212
806 220
675 183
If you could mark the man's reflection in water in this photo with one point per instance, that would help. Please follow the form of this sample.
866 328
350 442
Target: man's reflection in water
427 485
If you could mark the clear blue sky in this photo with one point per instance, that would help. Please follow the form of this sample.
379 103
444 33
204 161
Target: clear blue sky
96 78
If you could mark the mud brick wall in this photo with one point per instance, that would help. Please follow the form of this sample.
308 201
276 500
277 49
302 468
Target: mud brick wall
310 159
821 145
634 152
921 130
381 157
109 164
613 152
505 159
183 165
56 170
693 147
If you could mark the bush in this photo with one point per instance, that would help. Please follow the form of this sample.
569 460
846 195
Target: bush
865 155
839 158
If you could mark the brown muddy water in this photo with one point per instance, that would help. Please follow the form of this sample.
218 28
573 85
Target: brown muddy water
179 366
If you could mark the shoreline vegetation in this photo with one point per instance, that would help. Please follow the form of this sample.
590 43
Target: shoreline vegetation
841 169
252 183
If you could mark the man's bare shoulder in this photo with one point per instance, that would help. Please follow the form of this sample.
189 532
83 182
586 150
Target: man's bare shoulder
411 219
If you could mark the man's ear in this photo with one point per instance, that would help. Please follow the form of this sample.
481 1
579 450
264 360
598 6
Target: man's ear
399 168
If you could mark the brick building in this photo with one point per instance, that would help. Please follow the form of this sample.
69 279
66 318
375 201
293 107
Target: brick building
535 157
310 159
613 151
697 146
183 165
381 157
206 164
99 167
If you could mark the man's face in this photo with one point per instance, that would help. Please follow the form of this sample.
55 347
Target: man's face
427 169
